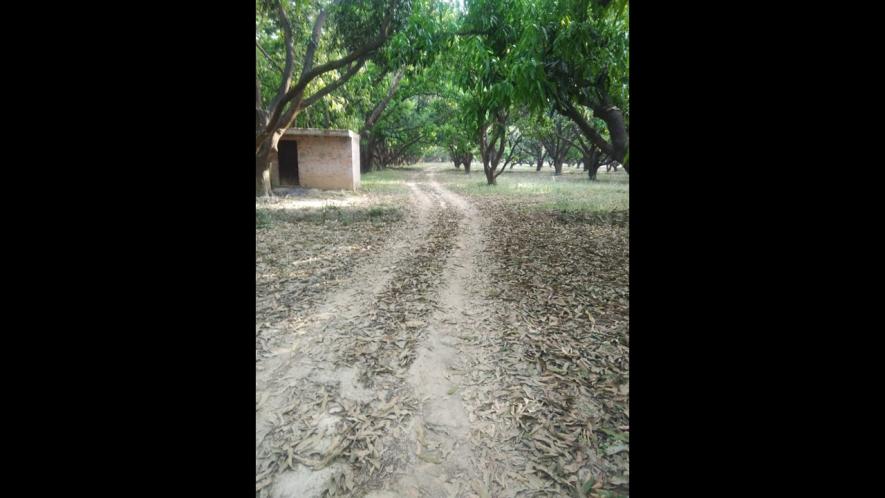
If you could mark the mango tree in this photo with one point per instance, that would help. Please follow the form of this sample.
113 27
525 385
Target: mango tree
573 54
357 30
490 29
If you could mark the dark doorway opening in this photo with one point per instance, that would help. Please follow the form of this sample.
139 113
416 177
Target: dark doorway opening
288 156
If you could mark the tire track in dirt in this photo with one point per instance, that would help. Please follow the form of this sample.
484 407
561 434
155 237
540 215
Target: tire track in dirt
410 380
392 365
355 294
307 357
372 345
443 461
371 276
388 342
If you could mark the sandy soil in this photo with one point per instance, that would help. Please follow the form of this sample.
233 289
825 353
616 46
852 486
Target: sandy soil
375 391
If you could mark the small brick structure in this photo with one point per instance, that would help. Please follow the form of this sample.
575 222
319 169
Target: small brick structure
317 158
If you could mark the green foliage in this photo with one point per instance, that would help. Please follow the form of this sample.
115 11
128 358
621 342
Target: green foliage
573 49
330 213
570 195
262 218
422 30
356 22
388 181
460 68
423 36
269 36
538 54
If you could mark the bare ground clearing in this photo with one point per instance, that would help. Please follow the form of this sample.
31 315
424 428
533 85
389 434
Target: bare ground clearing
465 347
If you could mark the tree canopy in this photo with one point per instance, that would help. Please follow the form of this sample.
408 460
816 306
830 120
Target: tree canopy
476 79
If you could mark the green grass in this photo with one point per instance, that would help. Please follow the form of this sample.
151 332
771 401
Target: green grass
266 218
571 195
263 218
387 181
570 192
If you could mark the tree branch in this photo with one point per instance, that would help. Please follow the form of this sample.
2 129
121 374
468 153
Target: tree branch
308 73
257 94
268 57
499 137
260 115
513 145
286 80
403 148
354 68
285 94
331 65
313 44
589 132
370 121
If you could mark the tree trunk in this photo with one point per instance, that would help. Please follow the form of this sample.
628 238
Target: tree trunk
467 165
262 172
591 172
365 162
557 166
540 164
489 170
367 154
457 164
617 129
262 163
593 160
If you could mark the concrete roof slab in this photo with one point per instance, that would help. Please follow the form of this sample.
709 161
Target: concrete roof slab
319 132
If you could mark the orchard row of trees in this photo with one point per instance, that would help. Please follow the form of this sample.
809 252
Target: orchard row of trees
499 82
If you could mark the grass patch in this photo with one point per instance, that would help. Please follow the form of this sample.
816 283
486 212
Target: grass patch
381 212
265 218
571 192
570 196
386 181
589 197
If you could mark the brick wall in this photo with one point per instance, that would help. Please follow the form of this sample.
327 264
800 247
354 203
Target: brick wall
325 162
355 170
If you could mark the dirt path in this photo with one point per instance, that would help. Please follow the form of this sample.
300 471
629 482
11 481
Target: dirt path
365 399
302 356
459 357
444 462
